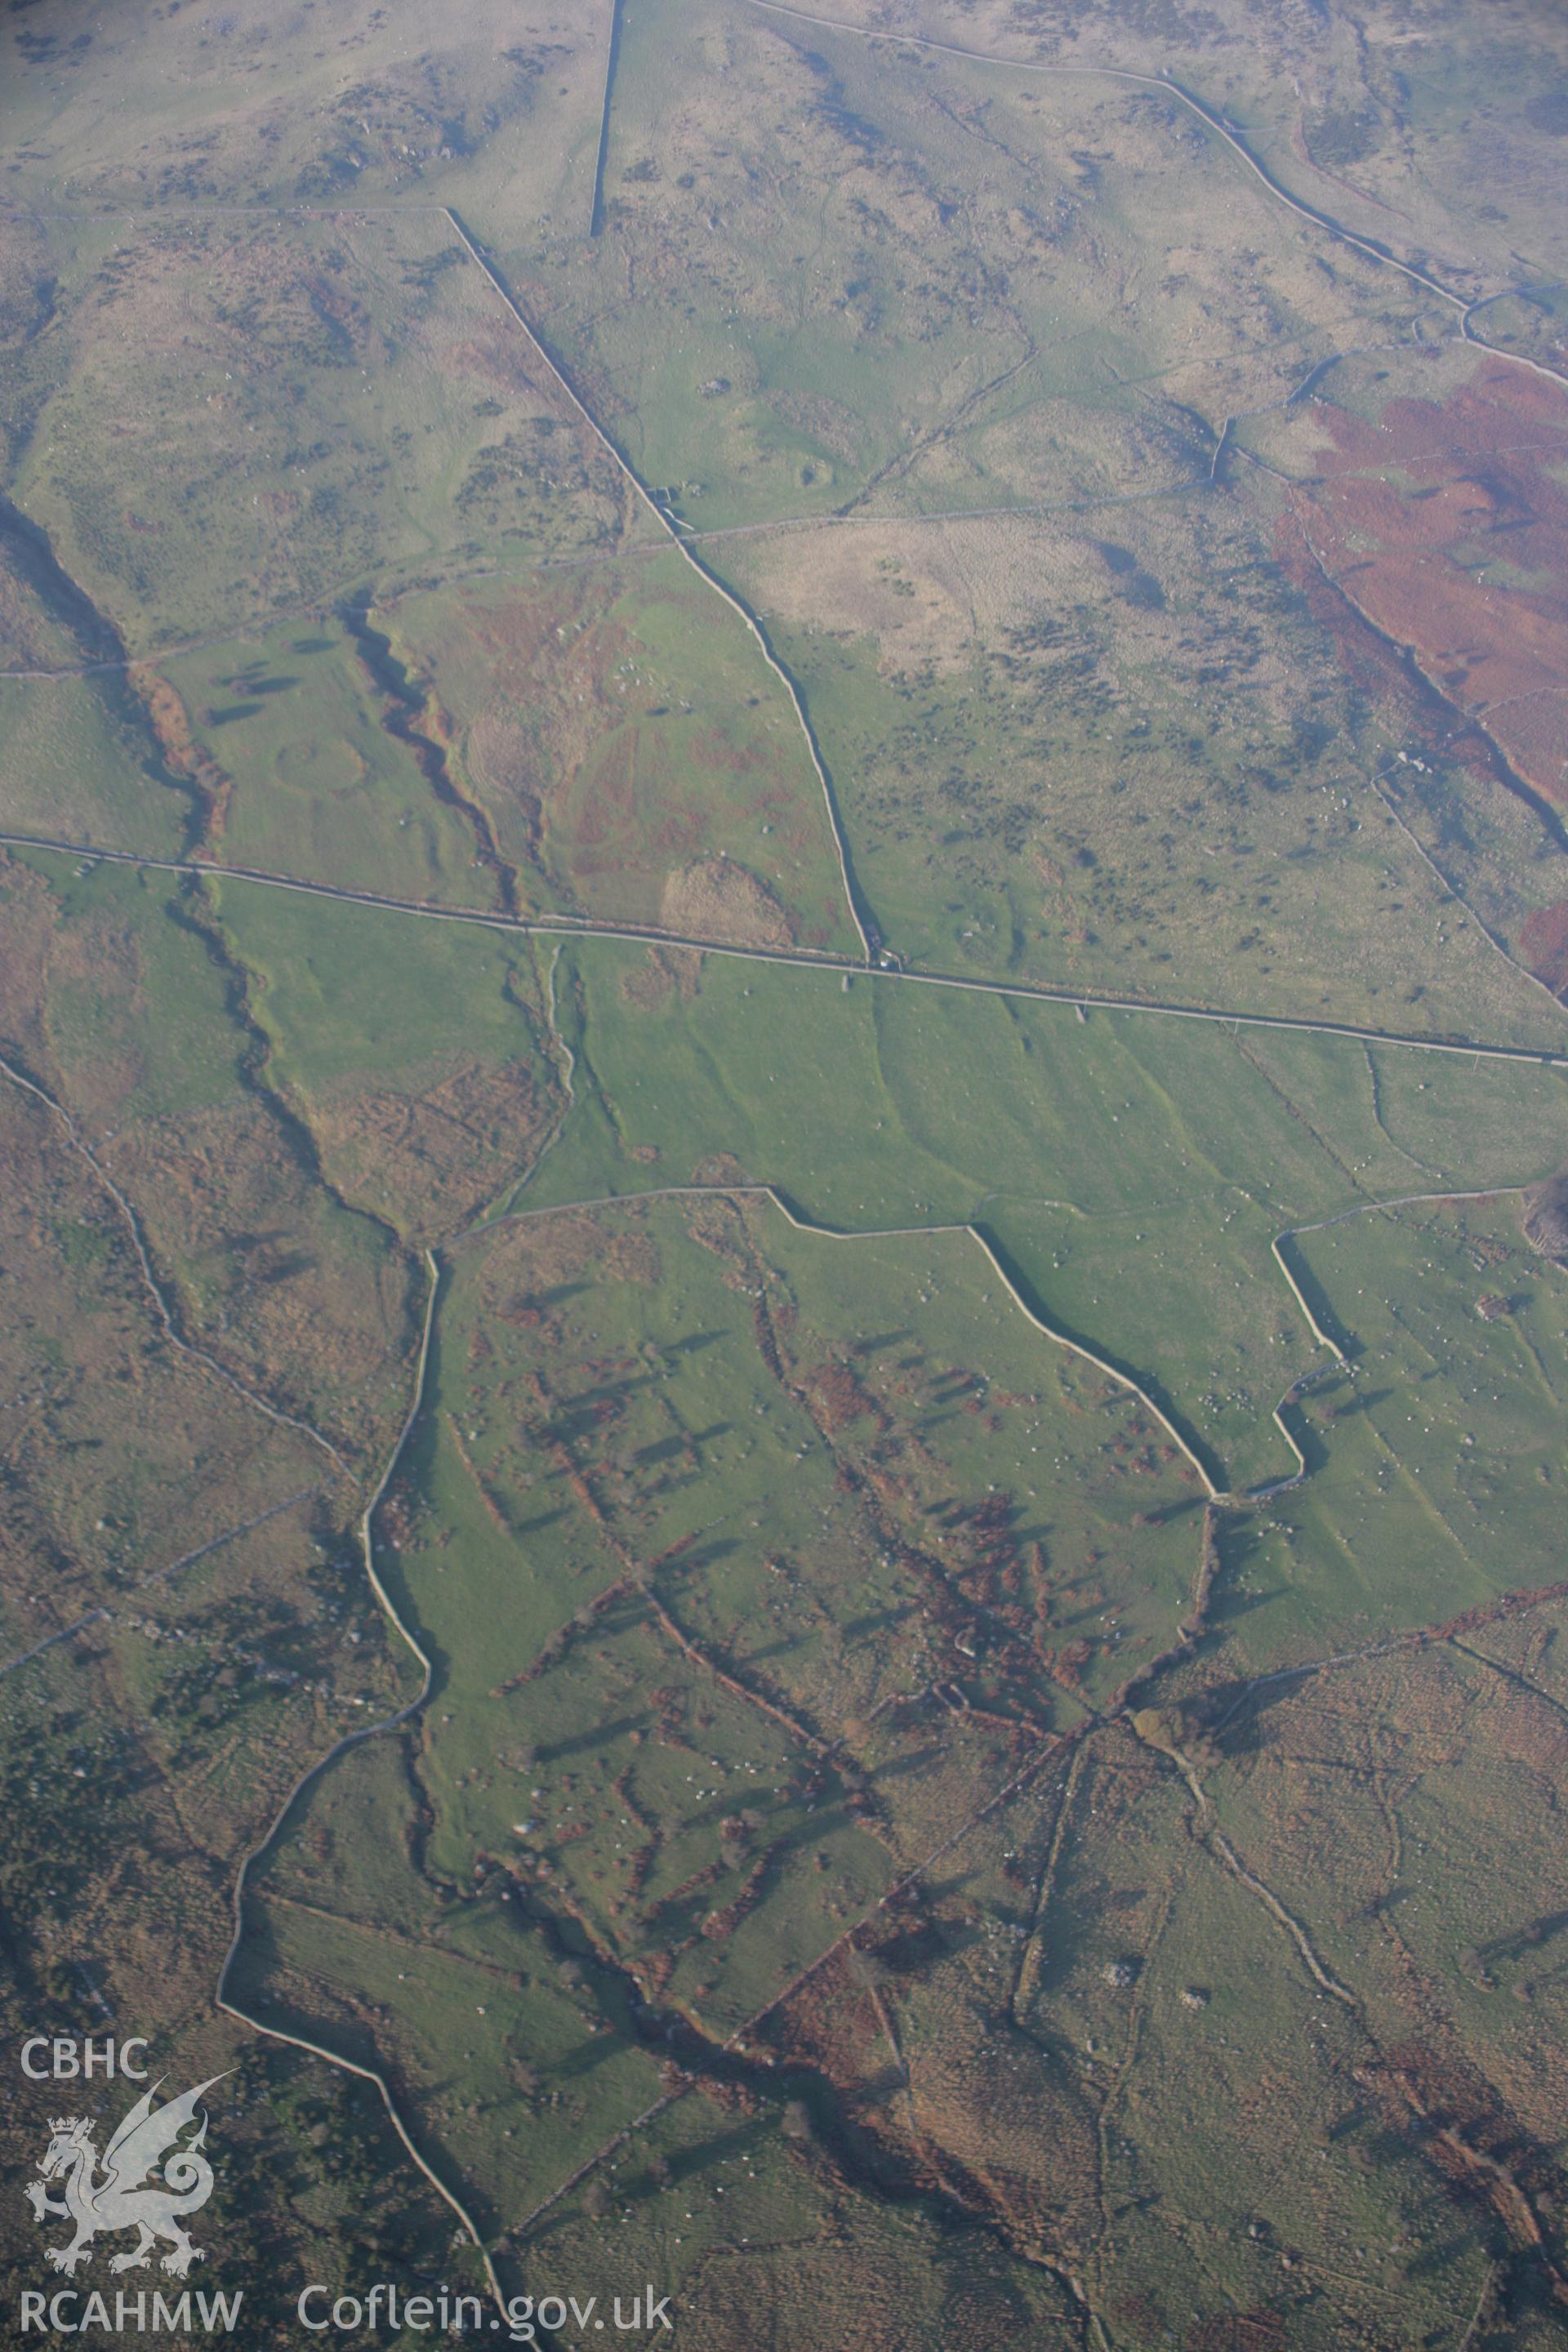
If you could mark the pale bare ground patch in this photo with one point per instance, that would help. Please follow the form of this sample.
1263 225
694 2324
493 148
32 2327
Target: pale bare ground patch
906 586
666 972
718 897
502 758
940 592
927 591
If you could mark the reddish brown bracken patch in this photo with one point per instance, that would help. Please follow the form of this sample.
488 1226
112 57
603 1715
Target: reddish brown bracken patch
1415 519
1544 940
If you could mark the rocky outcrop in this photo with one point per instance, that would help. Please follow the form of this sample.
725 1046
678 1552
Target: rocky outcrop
1546 1217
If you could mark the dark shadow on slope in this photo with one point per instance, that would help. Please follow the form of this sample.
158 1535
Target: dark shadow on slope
1138 1375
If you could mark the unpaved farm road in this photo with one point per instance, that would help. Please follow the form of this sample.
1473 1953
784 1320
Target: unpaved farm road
804 958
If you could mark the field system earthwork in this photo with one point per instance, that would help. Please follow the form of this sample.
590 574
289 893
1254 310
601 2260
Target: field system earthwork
784 1111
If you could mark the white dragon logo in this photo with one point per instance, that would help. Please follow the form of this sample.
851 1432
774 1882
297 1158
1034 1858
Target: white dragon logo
128 2195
